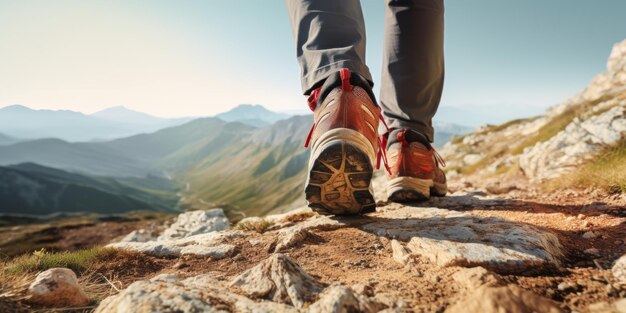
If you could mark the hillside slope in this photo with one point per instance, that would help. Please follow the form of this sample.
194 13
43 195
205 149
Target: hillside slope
226 163
255 172
33 189
7 140
569 136
137 155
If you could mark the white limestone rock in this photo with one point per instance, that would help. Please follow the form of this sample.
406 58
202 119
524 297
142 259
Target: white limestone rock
452 238
196 294
474 277
619 270
212 244
471 159
215 252
399 252
509 298
340 299
278 279
57 287
577 143
140 235
196 222
157 248
291 236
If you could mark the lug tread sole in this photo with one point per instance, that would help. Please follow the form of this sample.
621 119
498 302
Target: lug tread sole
339 181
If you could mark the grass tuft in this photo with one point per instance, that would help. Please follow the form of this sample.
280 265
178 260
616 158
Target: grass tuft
509 124
298 217
606 171
41 260
259 226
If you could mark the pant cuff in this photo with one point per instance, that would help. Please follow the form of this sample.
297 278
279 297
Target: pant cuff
426 130
314 79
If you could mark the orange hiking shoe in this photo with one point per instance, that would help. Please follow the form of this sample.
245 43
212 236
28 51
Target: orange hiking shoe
413 173
344 143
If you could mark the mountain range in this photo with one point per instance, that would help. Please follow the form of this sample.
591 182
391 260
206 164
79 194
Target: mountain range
25 123
252 169
228 163
7 140
116 122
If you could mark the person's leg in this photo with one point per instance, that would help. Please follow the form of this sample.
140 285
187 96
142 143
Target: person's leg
330 35
330 39
411 86
413 66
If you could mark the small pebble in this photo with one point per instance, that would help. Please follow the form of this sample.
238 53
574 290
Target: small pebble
589 234
592 251
180 265
610 291
565 286
598 278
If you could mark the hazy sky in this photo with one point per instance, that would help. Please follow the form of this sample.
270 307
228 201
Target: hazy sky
181 58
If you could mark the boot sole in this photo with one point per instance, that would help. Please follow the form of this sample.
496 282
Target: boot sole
411 189
340 174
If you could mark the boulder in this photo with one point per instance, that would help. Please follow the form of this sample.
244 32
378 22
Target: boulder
509 298
57 287
278 279
196 222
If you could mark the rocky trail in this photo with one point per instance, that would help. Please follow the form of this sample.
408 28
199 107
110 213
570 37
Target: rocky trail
467 252
499 242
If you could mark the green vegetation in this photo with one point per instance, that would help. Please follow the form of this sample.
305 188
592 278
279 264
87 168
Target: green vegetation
508 124
547 131
41 260
606 171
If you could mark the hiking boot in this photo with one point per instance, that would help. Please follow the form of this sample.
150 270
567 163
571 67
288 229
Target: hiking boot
413 173
344 143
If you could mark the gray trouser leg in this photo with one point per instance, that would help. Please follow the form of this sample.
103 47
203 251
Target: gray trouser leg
413 67
330 35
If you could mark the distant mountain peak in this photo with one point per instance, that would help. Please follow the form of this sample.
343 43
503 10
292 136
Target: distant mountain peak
118 109
15 108
252 114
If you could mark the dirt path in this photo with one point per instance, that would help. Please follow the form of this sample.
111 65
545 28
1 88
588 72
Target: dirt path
360 252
